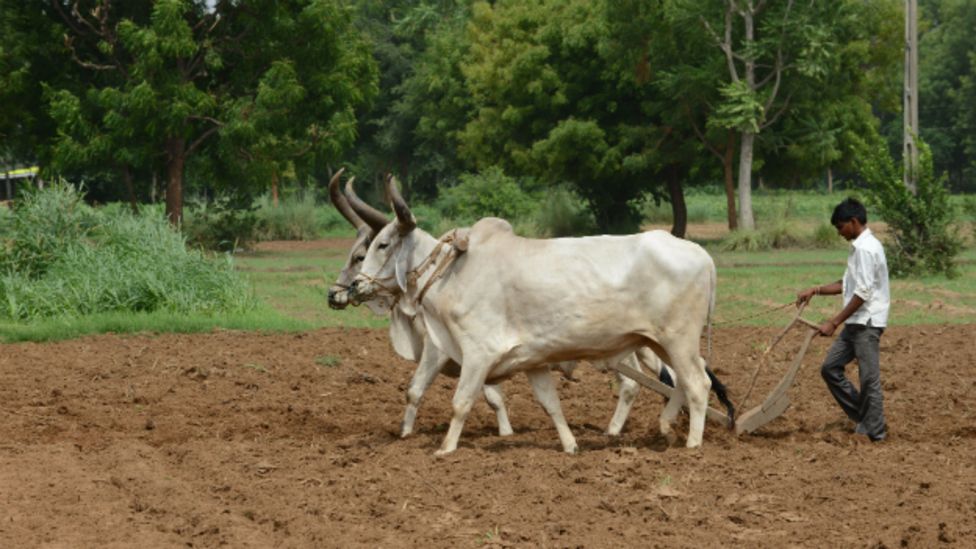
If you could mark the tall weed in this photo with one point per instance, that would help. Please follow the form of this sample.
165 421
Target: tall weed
86 261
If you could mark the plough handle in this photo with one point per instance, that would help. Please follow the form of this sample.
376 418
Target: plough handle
808 323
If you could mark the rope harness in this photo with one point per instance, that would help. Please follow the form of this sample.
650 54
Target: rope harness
414 275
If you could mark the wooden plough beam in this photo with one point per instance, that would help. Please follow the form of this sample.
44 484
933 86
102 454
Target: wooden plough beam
772 407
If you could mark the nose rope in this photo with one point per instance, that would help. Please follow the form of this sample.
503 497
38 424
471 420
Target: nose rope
414 275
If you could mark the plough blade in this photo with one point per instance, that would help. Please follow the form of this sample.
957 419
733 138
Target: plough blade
779 399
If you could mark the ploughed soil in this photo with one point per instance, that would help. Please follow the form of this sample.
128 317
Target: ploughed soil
290 440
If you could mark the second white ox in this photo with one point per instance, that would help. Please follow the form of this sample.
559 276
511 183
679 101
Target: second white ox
511 304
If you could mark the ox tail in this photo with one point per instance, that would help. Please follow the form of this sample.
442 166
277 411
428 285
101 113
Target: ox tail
723 396
717 386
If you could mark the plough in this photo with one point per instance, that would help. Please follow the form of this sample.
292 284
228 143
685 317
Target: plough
771 407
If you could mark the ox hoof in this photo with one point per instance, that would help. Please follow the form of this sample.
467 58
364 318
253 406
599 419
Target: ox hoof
506 432
572 451
670 437
442 452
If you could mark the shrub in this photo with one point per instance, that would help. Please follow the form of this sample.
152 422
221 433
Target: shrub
783 234
42 224
563 213
488 193
113 261
825 236
924 239
226 224
297 217
746 241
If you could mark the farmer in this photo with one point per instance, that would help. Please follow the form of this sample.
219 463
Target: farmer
864 317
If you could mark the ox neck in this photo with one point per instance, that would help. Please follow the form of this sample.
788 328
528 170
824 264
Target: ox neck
423 245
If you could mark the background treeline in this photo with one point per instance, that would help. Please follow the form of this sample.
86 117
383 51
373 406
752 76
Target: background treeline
589 113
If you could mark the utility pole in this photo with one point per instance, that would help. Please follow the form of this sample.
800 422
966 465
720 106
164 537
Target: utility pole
910 154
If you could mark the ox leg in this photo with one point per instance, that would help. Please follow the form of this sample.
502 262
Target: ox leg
472 380
496 399
625 398
545 393
690 377
671 409
431 363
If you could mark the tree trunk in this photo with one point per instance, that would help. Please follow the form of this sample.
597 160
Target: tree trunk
274 188
129 189
830 180
679 210
727 168
746 220
176 151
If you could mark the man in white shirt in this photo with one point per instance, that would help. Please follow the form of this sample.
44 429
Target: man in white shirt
864 316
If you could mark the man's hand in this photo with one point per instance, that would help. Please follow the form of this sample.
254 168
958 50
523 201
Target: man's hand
805 295
827 328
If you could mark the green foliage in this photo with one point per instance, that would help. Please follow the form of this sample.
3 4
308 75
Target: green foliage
947 88
740 109
62 258
489 193
228 223
921 224
562 213
42 225
825 236
296 217
746 241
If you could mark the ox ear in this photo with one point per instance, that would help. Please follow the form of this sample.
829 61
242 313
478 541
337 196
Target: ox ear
402 271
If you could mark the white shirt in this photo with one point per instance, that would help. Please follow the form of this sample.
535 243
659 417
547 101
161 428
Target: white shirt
867 277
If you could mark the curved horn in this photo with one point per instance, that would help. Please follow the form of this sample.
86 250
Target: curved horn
373 217
406 219
340 202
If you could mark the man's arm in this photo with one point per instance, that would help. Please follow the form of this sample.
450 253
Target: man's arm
833 288
830 326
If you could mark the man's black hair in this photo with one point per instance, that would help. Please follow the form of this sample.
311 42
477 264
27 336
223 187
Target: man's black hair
847 210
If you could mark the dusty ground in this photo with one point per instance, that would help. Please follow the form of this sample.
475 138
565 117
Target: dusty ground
243 440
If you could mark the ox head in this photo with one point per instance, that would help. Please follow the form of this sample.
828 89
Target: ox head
386 264
367 222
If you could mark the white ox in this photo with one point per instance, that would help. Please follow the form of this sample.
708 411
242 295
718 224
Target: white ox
408 333
511 304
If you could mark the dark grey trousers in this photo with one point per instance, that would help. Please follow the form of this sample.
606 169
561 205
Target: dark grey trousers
865 406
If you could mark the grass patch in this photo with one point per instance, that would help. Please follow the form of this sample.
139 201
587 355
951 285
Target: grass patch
751 283
329 361
55 329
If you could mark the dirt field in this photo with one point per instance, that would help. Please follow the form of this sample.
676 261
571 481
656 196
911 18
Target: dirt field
243 440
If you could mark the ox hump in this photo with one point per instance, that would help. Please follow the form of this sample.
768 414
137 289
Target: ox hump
488 228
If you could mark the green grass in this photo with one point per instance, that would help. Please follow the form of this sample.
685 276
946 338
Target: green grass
296 284
262 319
750 284
290 287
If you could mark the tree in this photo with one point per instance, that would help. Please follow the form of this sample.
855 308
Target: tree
549 104
923 239
266 80
762 43
947 82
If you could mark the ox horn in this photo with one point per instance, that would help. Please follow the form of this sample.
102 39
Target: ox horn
373 217
340 202
406 219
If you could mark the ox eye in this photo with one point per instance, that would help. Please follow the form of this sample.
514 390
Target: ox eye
359 258
382 246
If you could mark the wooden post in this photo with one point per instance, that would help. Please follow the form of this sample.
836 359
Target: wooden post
910 153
